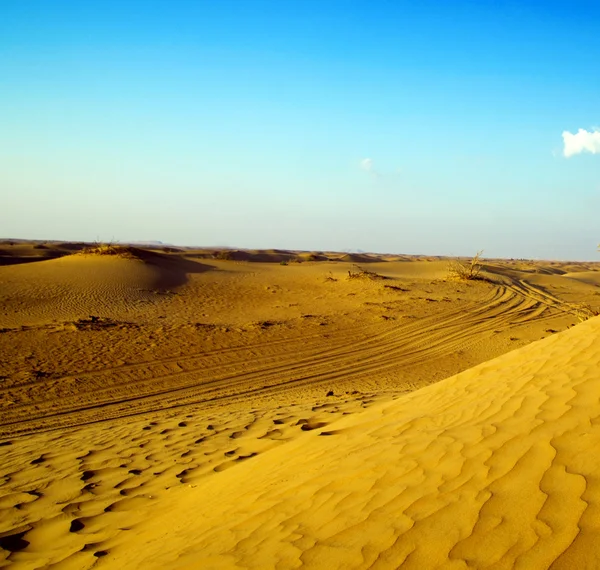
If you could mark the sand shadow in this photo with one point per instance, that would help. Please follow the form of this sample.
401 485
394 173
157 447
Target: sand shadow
172 269
40 251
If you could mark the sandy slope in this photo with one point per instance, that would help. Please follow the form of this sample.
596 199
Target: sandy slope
78 285
591 277
495 467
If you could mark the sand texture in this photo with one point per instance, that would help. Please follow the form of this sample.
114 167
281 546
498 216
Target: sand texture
176 408
493 468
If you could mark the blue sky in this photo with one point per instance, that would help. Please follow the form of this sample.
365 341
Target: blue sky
413 127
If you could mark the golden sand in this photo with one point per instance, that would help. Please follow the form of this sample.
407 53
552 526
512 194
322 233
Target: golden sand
182 410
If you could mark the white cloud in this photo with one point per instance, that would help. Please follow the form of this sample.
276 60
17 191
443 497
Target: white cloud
582 141
367 164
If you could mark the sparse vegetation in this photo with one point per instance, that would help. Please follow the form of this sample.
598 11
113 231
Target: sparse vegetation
364 274
585 311
224 255
102 248
466 270
110 248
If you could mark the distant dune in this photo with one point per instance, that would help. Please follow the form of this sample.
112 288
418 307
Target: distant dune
359 258
64 288
590 277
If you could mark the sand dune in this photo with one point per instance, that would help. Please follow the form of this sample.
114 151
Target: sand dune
590 277
494 467
76 285
170 409
16 253
491 468
359 258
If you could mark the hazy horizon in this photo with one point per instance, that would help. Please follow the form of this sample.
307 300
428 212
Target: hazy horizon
438 128
191 246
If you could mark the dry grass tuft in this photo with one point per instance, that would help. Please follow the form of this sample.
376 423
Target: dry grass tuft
364 274
466 271
224 255
111 248
585 311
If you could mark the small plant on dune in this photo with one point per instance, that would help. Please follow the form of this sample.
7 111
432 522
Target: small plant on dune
466 270
108 248
585 311
363 274
224 255
101 248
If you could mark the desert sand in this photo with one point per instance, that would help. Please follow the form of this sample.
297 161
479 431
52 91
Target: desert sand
178 408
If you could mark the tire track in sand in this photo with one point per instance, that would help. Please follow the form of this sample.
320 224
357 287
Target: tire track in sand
269 368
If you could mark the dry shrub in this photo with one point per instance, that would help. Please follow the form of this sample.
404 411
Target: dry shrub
111 248
224 255
466 270
585 311
364 274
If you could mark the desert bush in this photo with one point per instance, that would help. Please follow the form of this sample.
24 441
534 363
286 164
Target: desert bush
585 311
224 255
103 248
109 248
363 274
466 270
